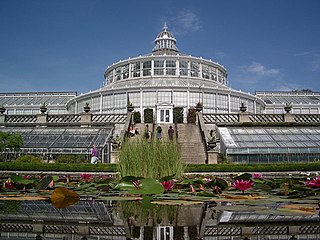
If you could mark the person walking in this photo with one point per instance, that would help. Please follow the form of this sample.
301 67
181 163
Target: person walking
94 154
159 132
170 133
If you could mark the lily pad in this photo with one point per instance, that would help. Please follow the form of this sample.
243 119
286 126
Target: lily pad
63 197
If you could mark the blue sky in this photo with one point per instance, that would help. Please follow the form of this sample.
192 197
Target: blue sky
65 45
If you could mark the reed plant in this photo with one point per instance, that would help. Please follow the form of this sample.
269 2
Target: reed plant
154 159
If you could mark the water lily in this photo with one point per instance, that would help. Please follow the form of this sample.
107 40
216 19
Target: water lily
167 185
86 176
207 180
257 175
315 182
242 184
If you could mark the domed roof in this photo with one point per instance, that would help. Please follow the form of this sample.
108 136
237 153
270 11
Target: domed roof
165 42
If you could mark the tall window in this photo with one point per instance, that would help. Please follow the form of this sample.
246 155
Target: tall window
125 72
205 71
183 68
147 68
194 69
118 74
170 67
135 69
158 67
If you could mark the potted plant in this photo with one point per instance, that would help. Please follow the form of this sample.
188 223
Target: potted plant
243 107
288 107
86 107
199 107
43 108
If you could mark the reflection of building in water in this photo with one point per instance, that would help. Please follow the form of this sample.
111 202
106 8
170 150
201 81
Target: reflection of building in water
97 219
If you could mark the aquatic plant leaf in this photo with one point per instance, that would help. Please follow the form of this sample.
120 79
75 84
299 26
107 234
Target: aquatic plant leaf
244 176
192 181
206 194
176 202
148 186
221 183
262 186
63 197
44 183
125 186
243 197
21 180
23 198
167 178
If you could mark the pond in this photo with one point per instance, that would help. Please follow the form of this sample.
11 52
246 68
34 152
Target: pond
87 207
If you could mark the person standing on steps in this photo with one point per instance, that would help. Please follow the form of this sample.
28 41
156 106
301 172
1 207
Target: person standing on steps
170 133
147 133
159 132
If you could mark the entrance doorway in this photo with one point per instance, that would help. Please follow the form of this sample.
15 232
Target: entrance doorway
164 114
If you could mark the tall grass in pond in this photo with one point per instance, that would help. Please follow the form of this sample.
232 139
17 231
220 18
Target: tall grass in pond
155 159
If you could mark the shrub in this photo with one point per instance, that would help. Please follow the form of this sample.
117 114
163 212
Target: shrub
191 118
137 117
28 159
148 115
70 158
155 159
178 114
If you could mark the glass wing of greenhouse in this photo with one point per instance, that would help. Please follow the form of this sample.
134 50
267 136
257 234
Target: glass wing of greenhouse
62 140
270 144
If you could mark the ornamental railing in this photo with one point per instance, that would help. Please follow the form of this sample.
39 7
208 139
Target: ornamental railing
20 118
64 118
44 119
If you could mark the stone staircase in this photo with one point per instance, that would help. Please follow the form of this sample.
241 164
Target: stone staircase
188 137
192 149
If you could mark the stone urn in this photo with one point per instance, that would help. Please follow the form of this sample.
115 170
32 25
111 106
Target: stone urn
243 107
2 109
130 108
86 108
288 107
199 107
43 108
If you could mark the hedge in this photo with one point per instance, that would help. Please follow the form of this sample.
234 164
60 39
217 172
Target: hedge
63 167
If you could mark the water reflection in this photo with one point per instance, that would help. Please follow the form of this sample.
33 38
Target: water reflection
104 219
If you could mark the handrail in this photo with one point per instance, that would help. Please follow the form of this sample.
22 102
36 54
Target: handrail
204 134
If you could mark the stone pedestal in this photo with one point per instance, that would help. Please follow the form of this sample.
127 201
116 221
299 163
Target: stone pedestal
42 118
212 157
114 157
2 118
288 117
244 117
86 119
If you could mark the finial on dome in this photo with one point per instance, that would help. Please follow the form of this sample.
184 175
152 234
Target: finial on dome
165 27
165 41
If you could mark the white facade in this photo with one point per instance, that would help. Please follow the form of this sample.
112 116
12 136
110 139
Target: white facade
163 80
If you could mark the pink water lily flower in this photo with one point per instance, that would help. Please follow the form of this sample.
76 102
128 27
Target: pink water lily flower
315 182
167 185
86 177
257 175
242 184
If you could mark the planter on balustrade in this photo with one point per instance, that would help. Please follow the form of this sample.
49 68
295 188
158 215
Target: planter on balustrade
130 108
43 108
86 108
2 109
243 107
287 108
